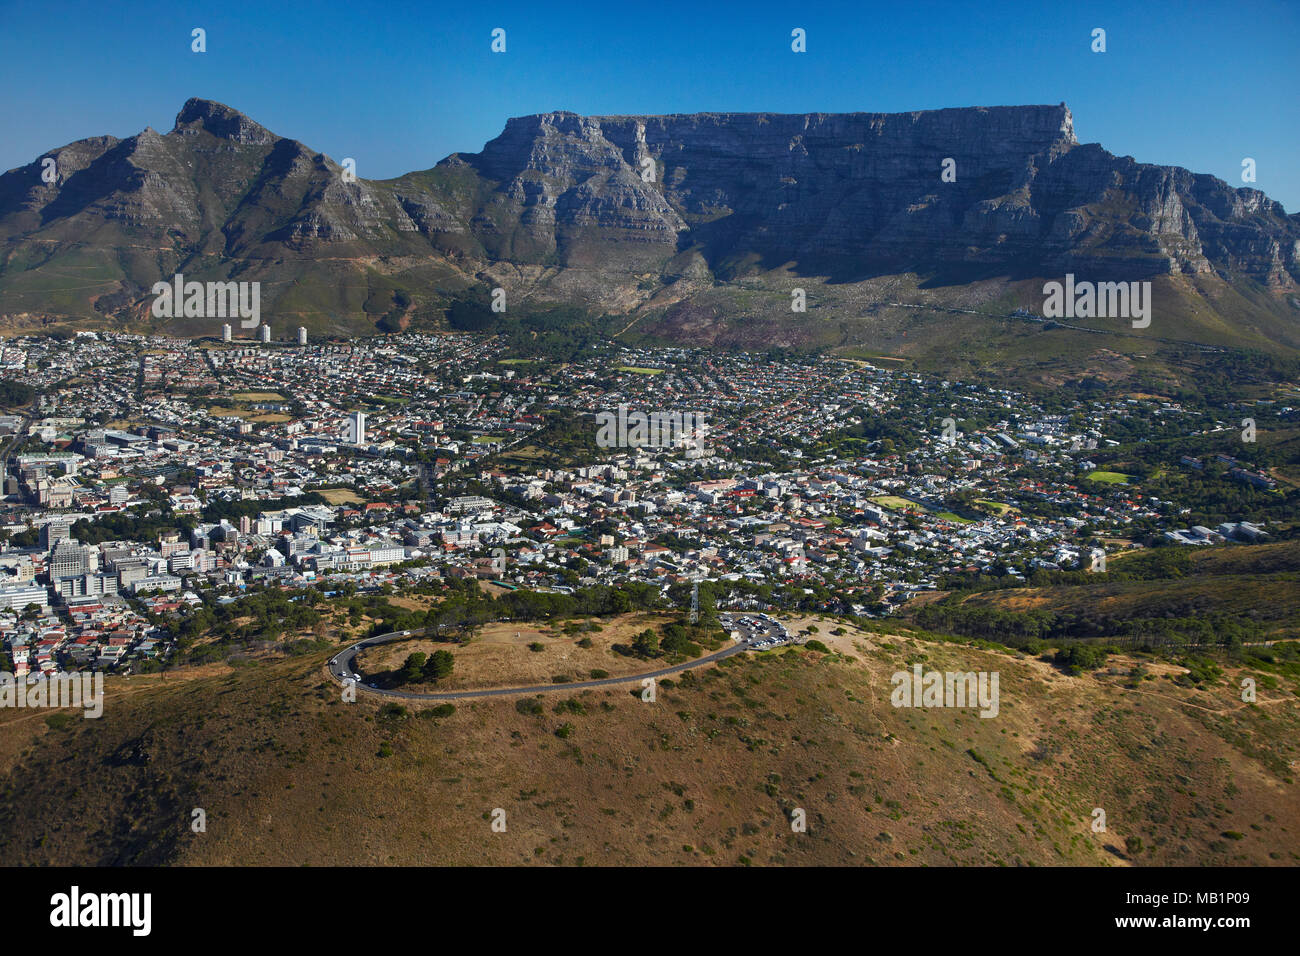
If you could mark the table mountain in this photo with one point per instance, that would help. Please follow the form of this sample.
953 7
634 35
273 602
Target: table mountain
687 224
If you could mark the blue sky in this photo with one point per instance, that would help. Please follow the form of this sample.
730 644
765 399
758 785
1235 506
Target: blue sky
398 86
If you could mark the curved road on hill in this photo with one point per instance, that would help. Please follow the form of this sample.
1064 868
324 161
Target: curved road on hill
341 667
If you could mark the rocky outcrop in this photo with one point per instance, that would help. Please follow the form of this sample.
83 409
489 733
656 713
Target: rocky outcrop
860 193
222 122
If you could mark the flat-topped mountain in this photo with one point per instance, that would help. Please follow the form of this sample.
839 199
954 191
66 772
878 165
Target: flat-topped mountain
848 190
685 223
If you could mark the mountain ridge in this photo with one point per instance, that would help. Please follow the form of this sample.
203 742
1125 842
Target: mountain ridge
643 216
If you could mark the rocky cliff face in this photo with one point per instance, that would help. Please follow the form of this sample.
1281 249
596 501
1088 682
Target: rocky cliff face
611 211
819 190
860 193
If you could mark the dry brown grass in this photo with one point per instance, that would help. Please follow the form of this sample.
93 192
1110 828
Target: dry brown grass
340 496
706 775
499 655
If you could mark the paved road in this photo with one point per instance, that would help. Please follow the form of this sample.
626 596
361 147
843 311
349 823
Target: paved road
341 666
19 435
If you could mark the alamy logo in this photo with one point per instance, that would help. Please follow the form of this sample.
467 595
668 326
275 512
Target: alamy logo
624 429
946 689
74 909
1087 300
85 690
208 300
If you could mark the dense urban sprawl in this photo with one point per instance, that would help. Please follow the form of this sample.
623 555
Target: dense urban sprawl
151 476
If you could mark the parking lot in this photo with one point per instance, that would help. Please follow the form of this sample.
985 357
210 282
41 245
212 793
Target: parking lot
758 630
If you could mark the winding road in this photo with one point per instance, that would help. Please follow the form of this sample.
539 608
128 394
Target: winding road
341 667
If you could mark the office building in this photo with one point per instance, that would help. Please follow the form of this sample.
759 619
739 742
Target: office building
354 430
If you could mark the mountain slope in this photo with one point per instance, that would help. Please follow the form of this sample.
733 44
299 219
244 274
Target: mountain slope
708 774
683 223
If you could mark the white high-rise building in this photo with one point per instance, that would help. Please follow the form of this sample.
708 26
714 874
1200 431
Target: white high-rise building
225 332
265 332
302 335
354 430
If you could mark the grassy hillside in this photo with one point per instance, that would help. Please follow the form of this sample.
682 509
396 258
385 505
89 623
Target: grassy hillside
1163 596
968 330
708 774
